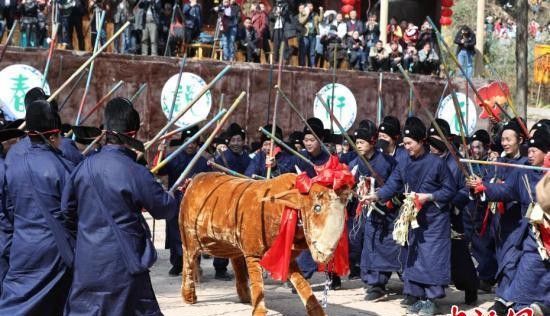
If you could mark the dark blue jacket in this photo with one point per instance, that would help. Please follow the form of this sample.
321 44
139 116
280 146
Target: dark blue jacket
234 161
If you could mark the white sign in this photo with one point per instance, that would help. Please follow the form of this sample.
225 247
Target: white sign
15 81
189 87
344 106
447 112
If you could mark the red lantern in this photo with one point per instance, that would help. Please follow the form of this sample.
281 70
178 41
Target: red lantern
445 20
447 3
348 2
446 12
346 9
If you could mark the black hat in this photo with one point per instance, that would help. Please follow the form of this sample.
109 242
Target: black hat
540 140
367 124
443 125
34 94
269 128
191 131
333 138
542 124
220 139
415 129
317 126
120 116
390 129
40 117
392 120
513 125
370 134
296 137
482 136
235 129
255 146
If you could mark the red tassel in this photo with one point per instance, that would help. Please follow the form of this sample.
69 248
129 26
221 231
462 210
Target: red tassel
417 203
156 159
500 207
389 204
545 236
277 259
485 221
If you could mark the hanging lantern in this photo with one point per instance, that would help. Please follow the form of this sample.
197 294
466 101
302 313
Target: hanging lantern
446 12
447 3
346 9
445 20
348 2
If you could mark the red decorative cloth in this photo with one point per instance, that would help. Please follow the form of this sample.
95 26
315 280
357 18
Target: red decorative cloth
545 236
417 203
277 259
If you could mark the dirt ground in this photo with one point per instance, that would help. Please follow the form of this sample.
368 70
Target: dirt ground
220 298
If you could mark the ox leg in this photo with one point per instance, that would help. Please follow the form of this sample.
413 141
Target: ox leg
256 286
241 279
189 276
303 288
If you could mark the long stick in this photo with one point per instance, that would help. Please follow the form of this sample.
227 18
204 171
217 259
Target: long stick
91 72
207 143
450 148
269 86
379 104
230 172
87 62
333 87
285 146
174 98
102 100
351 142
295 109
274 120
503 164
190 140
73 89
184 110
50 54
139 92
459 66
8 41
92 144
170 29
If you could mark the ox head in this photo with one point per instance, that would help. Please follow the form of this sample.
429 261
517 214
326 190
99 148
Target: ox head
321 202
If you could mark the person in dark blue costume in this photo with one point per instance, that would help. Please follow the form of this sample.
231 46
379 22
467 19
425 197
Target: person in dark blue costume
427 268
483 243
283 163
236 159
389 133
507 216
380 254
463 271
314 152
103 203
518 288
39 275
173 170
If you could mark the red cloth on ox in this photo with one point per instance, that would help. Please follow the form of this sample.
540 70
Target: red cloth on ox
277 259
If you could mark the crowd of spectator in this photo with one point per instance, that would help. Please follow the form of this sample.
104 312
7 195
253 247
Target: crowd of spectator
319 38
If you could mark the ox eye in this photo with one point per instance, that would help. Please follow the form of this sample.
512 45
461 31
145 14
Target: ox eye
317 208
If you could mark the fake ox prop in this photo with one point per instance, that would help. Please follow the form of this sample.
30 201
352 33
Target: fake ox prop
266 223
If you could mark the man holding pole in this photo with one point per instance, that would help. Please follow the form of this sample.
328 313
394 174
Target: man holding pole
173 170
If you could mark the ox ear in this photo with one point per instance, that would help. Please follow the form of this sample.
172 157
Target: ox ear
291 198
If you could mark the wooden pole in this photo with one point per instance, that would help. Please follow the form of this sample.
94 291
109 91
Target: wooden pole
50 54
230 172
102 100
480 36
139 92
207 143
188 106
285 146
8 40
274 120
384 8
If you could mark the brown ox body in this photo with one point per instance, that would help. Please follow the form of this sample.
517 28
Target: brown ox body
229 217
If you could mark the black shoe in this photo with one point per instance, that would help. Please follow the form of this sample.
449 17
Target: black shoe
408 301
470 298
486 285
336 282
175 271
375 293
499 308
223 276
354 274
206 256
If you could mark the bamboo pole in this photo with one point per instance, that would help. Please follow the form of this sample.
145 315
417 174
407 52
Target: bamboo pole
102 100
139 92
73 89
50 54
227 170
184 110
8 40
285 146
351 142
503 164
274 121
207 143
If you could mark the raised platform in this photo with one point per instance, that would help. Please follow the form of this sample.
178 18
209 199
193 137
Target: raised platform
300 84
